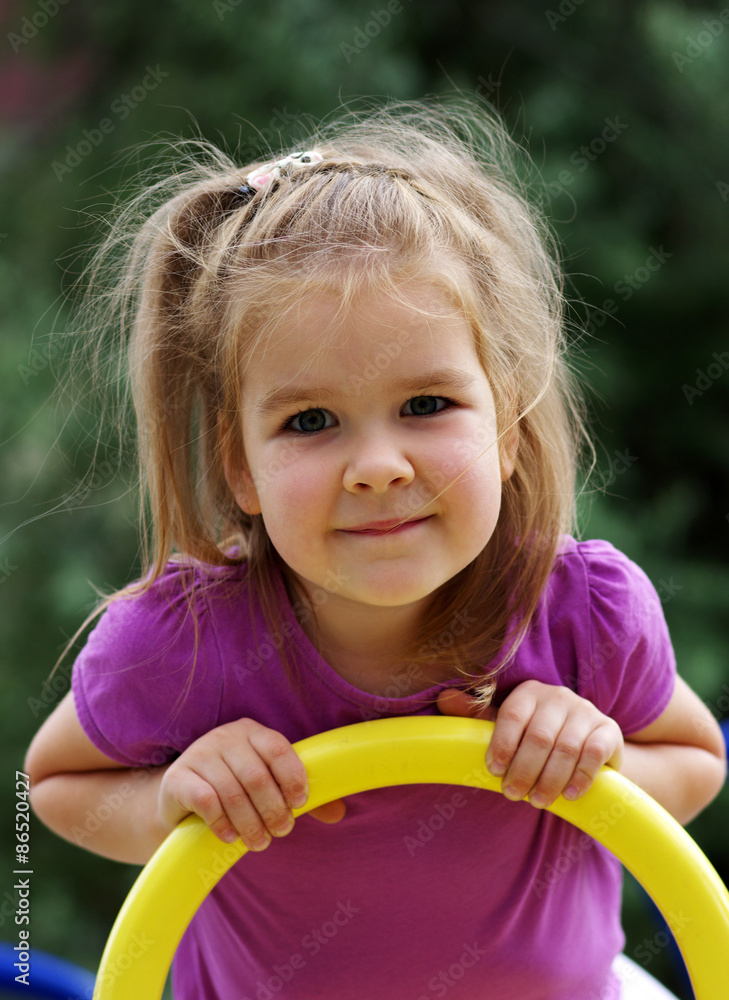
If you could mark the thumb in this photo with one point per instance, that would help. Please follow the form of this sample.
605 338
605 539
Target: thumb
330 812
453 701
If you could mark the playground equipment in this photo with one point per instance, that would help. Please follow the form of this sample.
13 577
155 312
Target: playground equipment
51 978
424 750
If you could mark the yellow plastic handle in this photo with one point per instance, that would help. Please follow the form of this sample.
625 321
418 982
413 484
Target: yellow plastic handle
423 750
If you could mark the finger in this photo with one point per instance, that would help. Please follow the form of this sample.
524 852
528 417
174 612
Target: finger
511 721
238 815
559 770
602 746
536 745
198 794
253 800
284 763
330 812
453 701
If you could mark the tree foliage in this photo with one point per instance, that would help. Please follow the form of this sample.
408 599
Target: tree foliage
623 108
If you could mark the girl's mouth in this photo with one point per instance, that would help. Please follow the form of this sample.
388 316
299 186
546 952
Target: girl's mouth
386 527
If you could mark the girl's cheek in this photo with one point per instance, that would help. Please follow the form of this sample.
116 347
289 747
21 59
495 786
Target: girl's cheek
280 463
469 459
301 486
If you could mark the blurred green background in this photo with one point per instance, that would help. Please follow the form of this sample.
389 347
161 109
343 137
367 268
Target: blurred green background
624 108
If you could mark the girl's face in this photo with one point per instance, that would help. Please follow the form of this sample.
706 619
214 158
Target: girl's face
343 442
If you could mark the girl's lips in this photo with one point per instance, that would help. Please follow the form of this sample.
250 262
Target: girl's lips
385 527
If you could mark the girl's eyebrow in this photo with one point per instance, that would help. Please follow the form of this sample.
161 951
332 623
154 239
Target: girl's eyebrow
446 378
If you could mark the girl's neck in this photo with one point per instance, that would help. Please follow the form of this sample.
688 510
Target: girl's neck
361 644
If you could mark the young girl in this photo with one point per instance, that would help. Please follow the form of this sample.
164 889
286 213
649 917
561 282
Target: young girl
359 437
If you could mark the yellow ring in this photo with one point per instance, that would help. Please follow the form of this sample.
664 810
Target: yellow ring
422 750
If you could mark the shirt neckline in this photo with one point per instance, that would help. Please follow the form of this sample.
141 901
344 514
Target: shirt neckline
382 703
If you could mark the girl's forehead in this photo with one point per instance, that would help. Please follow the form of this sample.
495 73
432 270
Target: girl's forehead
332 319
325 342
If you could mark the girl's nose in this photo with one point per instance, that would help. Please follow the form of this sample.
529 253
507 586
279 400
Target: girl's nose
377 464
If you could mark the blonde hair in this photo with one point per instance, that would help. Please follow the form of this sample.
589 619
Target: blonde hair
415 192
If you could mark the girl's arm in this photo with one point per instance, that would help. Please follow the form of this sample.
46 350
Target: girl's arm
241 778
549 741
90 799
680 759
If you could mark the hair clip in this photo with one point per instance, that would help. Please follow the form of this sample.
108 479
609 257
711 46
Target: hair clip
263 176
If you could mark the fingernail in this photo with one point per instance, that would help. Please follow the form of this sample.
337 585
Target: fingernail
571 792
285 828
496 768
300 799
511 793
261 843
538 801
229 836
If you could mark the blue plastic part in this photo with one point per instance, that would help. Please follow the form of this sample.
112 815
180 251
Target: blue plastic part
49 978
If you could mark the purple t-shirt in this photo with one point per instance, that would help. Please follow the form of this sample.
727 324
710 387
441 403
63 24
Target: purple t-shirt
421 891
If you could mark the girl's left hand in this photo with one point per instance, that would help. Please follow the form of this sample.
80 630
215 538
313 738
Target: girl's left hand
547 741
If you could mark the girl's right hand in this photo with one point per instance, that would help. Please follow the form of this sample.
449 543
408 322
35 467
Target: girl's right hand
243 780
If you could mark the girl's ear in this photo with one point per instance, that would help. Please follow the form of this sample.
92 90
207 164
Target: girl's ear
508 447
236 471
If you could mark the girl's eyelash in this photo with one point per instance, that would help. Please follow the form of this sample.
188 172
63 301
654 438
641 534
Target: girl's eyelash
286 423
446 399
450 403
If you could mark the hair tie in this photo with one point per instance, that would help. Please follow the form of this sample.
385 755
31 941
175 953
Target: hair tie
261 177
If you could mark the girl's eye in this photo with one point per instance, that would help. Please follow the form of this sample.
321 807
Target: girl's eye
314 420
309 421
423 406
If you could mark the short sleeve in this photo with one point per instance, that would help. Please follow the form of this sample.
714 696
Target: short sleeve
626 665
141 690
